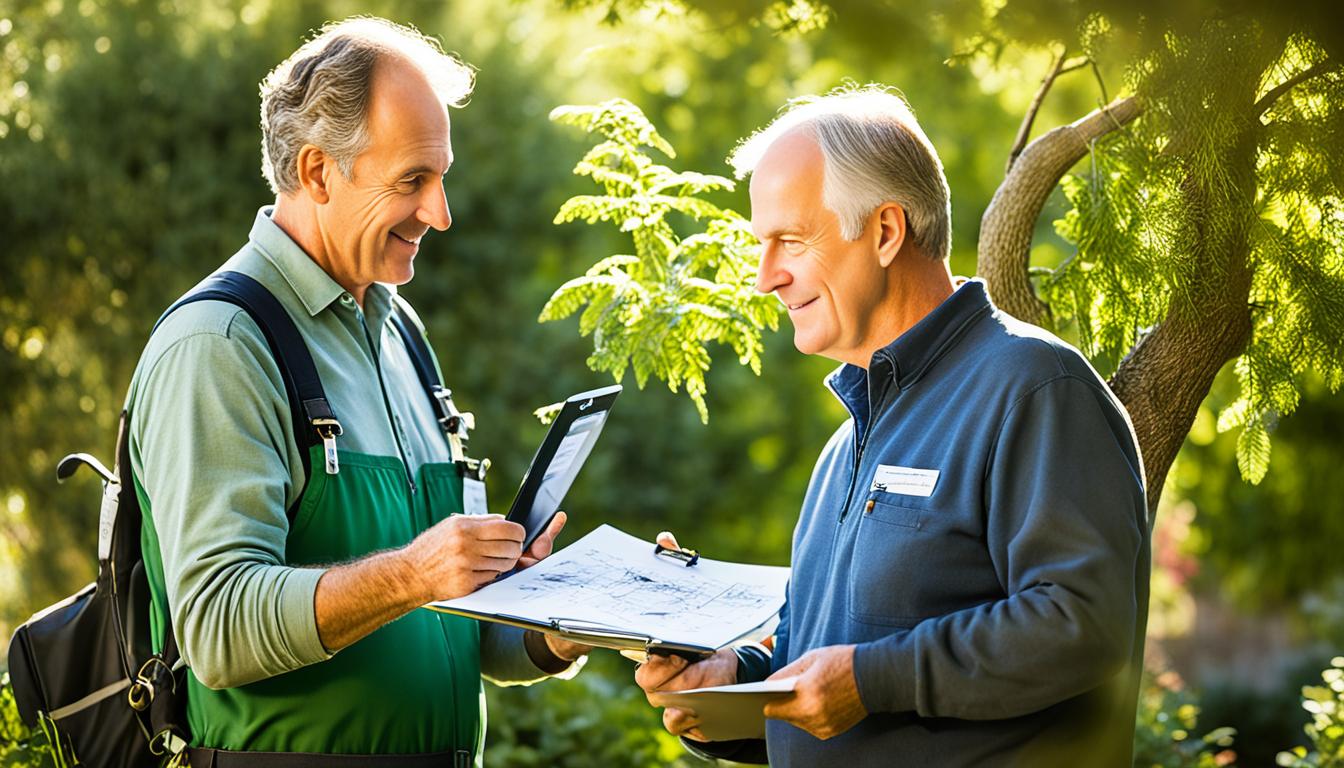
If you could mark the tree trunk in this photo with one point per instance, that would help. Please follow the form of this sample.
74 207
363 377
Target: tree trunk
1168 373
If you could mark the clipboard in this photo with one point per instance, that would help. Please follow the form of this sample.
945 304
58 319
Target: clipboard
613 590
559 458
630 644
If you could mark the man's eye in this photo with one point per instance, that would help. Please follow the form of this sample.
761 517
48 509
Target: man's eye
413 183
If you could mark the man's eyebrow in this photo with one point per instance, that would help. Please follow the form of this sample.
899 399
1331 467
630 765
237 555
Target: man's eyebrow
787 229
418 170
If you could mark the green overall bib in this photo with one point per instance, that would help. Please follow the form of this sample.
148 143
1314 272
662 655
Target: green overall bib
412 686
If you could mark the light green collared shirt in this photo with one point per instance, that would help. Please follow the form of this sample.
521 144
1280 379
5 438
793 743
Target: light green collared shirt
213 446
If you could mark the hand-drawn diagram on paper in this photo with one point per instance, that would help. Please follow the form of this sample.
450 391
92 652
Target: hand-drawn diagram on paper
610 590
611 579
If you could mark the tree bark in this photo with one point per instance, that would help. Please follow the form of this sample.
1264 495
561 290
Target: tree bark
1168 373
1010 220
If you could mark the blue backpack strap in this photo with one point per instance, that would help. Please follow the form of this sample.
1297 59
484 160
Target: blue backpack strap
314 421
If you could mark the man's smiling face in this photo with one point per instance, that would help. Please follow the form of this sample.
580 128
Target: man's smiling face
373 222
830 285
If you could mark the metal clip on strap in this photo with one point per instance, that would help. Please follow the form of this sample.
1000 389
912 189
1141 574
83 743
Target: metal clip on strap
322 419
456 424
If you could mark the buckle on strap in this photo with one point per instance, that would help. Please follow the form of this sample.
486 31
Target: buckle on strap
325 423
456 424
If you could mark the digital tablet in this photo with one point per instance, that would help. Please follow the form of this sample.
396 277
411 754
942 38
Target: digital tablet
559 459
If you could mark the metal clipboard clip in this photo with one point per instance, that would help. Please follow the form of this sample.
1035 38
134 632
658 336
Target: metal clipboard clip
688 557
628 643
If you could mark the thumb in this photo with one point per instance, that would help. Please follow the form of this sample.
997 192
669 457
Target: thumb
666 539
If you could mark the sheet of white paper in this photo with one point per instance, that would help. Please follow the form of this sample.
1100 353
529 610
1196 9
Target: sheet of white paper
728 711
782 685
610 579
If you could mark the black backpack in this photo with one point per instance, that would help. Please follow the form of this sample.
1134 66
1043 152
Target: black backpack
83 670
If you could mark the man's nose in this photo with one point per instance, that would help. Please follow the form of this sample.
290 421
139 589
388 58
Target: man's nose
768 275
434 208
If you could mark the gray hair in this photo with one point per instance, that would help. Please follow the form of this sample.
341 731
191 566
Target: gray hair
320 94
875 152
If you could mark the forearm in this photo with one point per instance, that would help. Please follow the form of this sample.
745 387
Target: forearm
354 599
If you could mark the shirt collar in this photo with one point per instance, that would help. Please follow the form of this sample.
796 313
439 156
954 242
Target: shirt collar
314 287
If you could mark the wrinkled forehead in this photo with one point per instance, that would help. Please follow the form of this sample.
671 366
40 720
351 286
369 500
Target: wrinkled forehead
406 116
786 185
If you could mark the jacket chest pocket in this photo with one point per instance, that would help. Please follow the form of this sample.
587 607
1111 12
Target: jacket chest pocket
891 561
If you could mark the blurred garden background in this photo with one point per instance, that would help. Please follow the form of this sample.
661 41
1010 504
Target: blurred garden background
129 169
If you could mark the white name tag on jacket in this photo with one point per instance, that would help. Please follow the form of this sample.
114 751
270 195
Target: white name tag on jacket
906 481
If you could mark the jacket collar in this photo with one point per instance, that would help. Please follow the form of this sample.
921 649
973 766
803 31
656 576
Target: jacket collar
905 360
915 351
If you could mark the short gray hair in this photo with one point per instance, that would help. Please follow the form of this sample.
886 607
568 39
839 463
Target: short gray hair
875 152
320 94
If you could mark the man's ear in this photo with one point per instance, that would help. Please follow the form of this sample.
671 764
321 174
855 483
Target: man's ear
313 167
890 232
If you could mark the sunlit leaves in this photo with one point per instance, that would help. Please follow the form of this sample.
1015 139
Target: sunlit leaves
1325 730
1198 188
653 311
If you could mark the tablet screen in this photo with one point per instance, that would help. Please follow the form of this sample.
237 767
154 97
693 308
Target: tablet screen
559 459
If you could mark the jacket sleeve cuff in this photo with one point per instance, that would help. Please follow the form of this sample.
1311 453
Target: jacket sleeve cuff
753 662
506 660
750 751
884 671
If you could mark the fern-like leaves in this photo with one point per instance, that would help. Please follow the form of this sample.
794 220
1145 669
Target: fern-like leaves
654 311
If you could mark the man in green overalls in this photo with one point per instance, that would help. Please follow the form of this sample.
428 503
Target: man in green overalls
302 635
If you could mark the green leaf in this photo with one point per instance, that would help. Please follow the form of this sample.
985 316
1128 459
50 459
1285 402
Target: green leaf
656 310
1253 452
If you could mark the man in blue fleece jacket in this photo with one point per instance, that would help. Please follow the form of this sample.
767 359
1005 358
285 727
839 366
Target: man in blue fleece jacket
970 567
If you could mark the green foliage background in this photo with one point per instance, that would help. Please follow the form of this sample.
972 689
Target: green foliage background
129 168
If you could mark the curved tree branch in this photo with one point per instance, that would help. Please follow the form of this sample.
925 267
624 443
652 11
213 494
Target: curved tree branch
1262 106
1009 221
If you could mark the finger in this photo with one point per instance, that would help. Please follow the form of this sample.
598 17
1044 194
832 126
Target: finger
492 565
495 548
679 721
781 708
658 671
498 529
694 734
666 539
557 524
